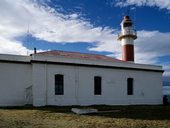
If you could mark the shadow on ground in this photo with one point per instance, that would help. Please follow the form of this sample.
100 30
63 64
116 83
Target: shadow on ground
130 112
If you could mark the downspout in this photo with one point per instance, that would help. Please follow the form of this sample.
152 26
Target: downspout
46 83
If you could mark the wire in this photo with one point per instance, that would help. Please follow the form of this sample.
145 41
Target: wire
134 17
28 31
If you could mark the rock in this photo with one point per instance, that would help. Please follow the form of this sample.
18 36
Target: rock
82 111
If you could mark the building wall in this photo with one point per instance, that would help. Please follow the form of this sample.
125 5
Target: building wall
14 79
79 86
20 79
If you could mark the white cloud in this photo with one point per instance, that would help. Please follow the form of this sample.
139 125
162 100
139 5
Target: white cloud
162 4
148 47
151 45
166 67
108 44
11 47
47 24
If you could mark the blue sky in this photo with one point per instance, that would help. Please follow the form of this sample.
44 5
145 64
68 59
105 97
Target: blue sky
89 26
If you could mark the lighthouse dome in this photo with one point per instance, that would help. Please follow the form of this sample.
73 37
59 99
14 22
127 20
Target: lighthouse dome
127 22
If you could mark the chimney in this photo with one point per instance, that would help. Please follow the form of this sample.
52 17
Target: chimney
35 50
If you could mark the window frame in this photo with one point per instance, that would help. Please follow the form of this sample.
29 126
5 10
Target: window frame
97 85
59 85
130 86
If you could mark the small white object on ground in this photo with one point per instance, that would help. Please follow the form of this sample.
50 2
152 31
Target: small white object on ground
84 110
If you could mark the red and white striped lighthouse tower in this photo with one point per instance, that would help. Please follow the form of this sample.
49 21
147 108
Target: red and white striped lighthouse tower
127 37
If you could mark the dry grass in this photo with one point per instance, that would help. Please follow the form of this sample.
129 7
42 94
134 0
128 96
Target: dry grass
61 117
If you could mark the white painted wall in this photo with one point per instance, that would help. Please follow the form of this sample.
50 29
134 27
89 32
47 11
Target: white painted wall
14 79
39 84
79 88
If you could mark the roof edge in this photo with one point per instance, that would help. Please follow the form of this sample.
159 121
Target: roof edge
97 66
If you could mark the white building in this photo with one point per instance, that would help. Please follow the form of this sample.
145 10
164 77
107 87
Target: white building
71 78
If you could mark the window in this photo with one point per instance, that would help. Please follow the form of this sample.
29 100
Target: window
59 84
97 85
130 86
127 24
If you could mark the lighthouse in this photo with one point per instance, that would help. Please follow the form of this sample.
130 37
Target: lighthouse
127 37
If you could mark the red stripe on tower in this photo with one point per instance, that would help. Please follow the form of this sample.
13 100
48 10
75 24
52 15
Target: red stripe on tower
128 52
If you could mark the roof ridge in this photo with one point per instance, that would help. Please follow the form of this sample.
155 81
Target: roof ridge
77 52
73 54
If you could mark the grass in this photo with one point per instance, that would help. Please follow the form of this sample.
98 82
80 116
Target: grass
62 117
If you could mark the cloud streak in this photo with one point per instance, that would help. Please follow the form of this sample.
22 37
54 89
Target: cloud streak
162 4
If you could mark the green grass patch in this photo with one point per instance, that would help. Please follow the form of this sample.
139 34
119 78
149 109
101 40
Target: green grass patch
62 117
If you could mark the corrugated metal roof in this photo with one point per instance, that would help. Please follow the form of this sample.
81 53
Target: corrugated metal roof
78 55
